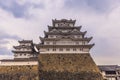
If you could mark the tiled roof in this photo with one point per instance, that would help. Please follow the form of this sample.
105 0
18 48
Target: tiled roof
108 67
25 41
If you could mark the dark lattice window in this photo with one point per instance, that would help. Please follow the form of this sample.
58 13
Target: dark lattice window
68 49
48 49
54 49
54 43
81 49
61 49
74 49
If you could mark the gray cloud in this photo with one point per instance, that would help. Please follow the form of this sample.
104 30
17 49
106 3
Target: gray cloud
99 6
4 35
17 9
3 42
5 51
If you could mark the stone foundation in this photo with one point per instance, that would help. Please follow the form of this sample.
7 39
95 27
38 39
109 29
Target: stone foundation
68 67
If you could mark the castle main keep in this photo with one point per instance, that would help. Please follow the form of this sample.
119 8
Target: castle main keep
64 53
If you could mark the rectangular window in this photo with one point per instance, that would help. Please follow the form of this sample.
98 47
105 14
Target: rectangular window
47 43
78 36
61 49
54 43
74 49
83 42
81 49
51 36
15 55
48 49
54 49
67 49
77 43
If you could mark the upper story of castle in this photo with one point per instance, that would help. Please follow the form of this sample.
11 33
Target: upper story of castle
64 37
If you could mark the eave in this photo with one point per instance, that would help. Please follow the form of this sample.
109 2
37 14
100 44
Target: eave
26 41
74 39
75 27
19 47
83 39
14 51
73 33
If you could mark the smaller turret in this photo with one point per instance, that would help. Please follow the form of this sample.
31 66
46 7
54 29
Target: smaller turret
25 50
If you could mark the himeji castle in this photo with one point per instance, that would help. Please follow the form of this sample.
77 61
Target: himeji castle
62 54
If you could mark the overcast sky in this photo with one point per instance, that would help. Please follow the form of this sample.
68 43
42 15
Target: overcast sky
27 19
